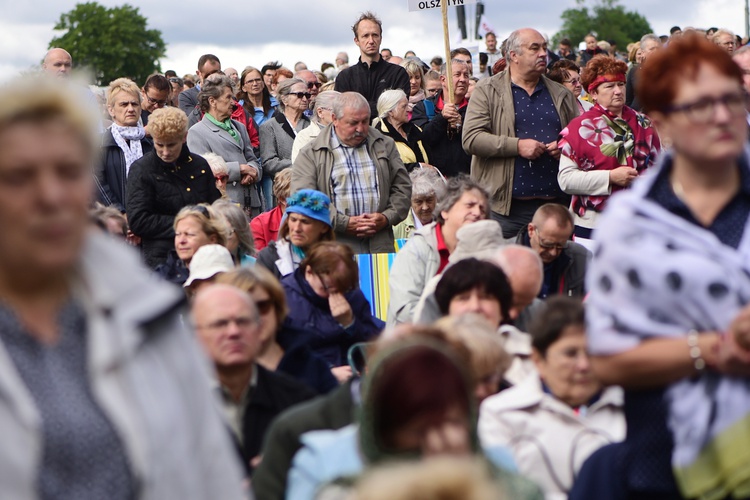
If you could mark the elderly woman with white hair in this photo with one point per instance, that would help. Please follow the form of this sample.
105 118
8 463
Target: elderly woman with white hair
427 187
322 116
123 142
277 134
393 122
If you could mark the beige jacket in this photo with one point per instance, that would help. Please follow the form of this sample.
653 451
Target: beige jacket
489 134
312 170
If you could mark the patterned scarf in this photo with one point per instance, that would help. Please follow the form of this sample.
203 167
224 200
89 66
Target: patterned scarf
599 140
133 151
226 125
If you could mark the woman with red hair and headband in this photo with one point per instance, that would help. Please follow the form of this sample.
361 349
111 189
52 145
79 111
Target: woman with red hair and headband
605 148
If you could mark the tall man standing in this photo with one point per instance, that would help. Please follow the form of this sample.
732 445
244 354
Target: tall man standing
511 128
361 172
208 64
372 74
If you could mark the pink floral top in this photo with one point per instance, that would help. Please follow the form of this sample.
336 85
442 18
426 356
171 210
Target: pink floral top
599 140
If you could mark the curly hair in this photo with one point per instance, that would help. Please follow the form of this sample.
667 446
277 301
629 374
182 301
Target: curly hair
602 65
168 122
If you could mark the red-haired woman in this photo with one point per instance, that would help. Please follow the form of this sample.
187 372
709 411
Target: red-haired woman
605 148
668 315
325 302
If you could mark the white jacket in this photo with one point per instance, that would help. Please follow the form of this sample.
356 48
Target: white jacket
149 377
549 441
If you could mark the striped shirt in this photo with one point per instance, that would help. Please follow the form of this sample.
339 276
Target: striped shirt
354 179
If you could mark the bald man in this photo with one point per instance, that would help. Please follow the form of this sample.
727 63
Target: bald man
58 62
228 326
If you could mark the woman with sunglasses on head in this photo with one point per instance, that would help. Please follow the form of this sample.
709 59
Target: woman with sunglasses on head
164 181
327 307
194 226
568 74
298 361
277 134
606 148
669 286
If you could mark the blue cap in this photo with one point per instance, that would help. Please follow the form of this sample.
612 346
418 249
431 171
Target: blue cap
310 203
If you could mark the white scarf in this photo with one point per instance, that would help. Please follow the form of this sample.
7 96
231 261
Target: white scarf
133 134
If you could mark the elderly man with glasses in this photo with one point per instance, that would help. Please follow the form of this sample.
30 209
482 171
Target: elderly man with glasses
548 234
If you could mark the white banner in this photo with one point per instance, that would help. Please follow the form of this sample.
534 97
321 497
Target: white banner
415 5
485 27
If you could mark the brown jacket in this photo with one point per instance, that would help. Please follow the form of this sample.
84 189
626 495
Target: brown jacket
312 170
489 134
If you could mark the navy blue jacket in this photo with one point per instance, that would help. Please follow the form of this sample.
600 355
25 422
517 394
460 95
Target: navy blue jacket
315 327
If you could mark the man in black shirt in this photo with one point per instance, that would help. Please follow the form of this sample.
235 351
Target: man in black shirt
372 74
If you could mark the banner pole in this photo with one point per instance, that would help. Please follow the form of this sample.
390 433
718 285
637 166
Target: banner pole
448 62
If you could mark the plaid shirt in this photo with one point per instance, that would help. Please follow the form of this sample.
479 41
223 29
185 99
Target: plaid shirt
354 179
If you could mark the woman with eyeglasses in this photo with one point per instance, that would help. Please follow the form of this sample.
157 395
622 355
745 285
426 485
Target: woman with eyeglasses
668 316
254 96
164 181
298 361
277 134
568 74
327 310
194 227
606 148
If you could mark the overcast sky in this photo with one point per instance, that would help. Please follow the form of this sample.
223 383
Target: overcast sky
314 31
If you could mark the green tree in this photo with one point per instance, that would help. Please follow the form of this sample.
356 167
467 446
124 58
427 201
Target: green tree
111 43
607 19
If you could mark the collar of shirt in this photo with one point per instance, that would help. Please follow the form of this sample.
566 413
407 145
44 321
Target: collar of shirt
235 411
441 248
539 86
441 103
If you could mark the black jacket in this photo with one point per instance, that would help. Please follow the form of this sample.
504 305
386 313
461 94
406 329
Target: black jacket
111 177
268 257
566 275
334 411
372 80
274 393
445 151
157 191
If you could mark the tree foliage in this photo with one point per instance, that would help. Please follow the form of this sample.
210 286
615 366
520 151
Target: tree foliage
111 43
607 19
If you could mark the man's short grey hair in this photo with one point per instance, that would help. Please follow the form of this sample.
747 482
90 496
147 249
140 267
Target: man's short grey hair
513 44
426 182
214 86
353 100
444 66
456 187
650 37
388 101
284 88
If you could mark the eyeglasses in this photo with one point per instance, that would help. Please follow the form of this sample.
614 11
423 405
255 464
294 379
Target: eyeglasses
242 322
156 102
552 246
703 110
264 306
300 95
573 81
222 178
175 80
314 84
254 80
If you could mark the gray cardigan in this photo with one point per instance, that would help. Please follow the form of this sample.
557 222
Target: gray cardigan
206 137
276 142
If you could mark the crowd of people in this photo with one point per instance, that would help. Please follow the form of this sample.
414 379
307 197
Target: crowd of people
568 280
